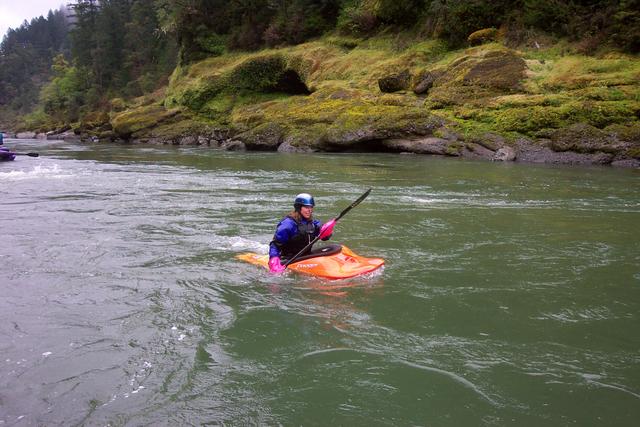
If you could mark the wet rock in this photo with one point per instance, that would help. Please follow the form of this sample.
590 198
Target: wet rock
64 136
287 147
429 145
472 150
26 135
504 154
267 136
233 145
627 163
529 152
395 82
188 140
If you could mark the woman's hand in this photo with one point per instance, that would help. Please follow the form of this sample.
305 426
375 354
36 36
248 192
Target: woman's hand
327 229
275 267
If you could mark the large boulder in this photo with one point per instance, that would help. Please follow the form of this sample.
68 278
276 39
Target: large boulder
395 82
474 78
501 70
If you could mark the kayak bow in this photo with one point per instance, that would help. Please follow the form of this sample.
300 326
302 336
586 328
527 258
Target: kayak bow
331 262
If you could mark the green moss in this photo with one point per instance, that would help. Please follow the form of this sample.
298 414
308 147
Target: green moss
260 73
482 36
454 149
132 121
629 132
480 90
634 152
343 42
529 120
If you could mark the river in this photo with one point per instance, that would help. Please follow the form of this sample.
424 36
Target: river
510 294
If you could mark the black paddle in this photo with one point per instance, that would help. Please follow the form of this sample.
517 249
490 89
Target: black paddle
27 154
343 213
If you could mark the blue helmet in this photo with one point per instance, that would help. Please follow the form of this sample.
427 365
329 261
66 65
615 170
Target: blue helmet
303 199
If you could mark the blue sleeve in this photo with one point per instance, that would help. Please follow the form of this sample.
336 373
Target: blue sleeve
285 230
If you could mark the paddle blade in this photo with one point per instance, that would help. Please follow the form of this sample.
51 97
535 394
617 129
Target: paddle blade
33 154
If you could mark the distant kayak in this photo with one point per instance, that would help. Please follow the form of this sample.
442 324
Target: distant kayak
331 262
6 155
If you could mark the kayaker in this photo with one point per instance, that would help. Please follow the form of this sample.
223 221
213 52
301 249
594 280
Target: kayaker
295 231
1 137
6 154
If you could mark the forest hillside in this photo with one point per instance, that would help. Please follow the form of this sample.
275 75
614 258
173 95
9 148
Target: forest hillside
543 81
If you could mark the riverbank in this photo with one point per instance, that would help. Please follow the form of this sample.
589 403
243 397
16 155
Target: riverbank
545 104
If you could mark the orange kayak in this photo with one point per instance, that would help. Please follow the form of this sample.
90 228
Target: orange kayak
330 262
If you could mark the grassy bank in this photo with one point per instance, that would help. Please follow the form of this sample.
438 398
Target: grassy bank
326 95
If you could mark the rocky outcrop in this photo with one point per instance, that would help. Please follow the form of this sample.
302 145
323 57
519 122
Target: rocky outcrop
266 137
463 104
530 152
584 138
429 145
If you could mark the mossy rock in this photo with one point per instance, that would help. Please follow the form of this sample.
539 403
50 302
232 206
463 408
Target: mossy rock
625 132
483 36
269 73
214 93
322 122
395 82
477 77
94 120
196 95
131 122
179 126
584 138
530 120
423 81
503 71
267 136
117 104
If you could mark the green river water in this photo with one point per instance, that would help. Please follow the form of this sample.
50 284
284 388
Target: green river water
510 294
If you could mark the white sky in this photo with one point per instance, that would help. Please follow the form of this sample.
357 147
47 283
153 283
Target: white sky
14 12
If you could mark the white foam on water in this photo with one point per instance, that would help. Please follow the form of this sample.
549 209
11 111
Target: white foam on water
237 243
49 172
